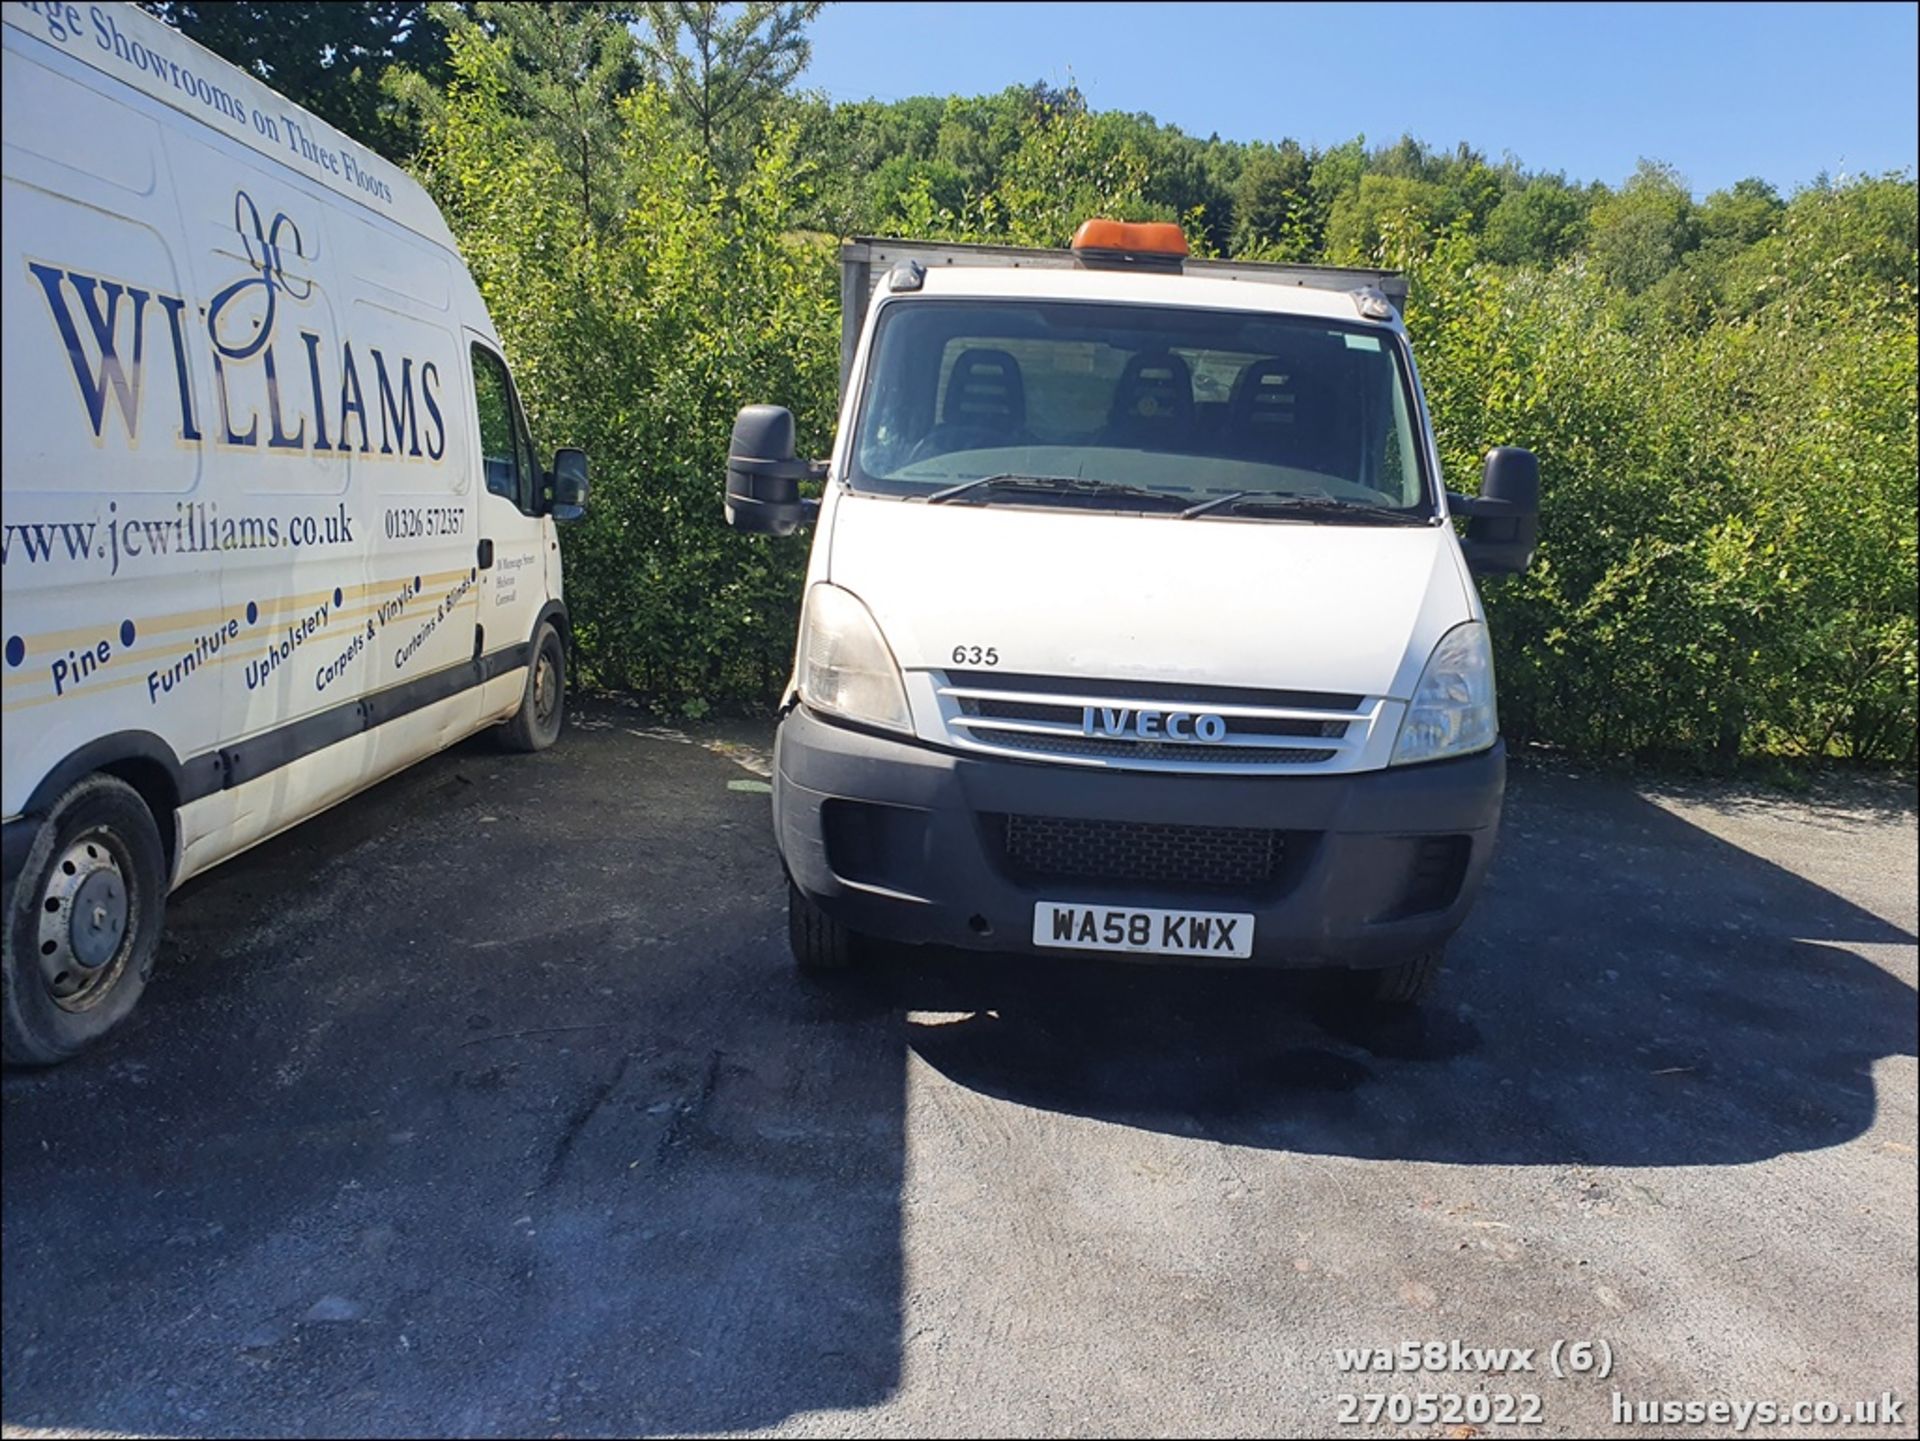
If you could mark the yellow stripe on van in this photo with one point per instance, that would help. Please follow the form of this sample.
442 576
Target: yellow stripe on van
194 619
157 648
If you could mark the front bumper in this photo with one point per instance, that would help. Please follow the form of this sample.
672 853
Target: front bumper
906 843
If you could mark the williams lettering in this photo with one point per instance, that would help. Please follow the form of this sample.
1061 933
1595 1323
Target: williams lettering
311 394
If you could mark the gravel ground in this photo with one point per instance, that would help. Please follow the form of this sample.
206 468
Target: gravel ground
487 1104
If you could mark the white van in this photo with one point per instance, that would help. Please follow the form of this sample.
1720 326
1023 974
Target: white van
1134 622
273 525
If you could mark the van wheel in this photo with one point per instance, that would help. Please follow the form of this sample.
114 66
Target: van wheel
82 923
820 944
543 706
1406 983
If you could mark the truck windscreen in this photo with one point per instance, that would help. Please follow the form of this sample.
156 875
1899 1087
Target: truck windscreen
1200 405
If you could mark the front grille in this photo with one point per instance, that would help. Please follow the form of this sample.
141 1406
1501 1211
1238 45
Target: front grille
998 709
1050 743
1223 857
1260 730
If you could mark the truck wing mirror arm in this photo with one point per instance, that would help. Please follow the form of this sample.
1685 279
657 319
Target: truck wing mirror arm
1474 506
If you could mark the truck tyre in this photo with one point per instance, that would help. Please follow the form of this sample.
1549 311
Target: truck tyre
1405 983
543 706
82 923
820 944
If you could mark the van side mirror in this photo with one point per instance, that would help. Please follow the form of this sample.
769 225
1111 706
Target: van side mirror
1503 521
763 475
567 483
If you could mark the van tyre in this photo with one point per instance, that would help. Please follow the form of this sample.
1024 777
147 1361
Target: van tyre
820 944
1405 983
82 923
543 705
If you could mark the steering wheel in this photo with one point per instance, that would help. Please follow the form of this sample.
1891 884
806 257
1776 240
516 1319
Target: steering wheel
945 438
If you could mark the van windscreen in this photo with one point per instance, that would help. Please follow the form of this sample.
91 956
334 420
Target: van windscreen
1196 404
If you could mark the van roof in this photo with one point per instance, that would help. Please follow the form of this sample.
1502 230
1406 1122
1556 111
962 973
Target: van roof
133 47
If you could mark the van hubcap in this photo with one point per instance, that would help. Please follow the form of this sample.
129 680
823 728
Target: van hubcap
83 920
546 690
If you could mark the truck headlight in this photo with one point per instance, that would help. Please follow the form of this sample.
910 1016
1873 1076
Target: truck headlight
1452 712
845 668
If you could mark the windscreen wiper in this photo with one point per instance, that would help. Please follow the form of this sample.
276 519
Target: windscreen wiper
1056 484
1254 502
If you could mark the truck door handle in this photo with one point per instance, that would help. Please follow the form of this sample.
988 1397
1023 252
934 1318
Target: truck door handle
486 555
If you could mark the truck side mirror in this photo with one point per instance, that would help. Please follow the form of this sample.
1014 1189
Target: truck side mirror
763 475
1503 521
568 481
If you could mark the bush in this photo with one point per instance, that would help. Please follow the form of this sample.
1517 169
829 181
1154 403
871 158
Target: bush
640 342
1727 563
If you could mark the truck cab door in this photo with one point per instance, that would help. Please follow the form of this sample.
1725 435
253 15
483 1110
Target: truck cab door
512 552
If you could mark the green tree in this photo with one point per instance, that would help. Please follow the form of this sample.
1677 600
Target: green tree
1470 189
1064 170
1405 159
1638 234
1741 216
976 135
1381 205
560 69
1538 224
1695 291
1273 209
720 64
1336 173
864 154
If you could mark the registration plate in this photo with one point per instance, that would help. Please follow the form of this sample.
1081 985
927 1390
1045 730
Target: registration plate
1226 935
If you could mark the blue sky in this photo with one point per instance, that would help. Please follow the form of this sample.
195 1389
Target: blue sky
1783 91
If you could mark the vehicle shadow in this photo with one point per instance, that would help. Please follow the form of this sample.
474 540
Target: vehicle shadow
1631 990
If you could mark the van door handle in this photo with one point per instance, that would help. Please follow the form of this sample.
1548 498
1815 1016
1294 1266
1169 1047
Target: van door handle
486 555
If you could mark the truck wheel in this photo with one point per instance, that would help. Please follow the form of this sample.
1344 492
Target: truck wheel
819 943
1406 983
82 923
543 707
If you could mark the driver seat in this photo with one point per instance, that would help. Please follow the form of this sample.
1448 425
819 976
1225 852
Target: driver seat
1280 412
1153 401
985 391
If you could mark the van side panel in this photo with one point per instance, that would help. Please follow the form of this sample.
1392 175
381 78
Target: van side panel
230 821
241 500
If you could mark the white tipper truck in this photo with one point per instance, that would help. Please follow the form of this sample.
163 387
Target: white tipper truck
1135 622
